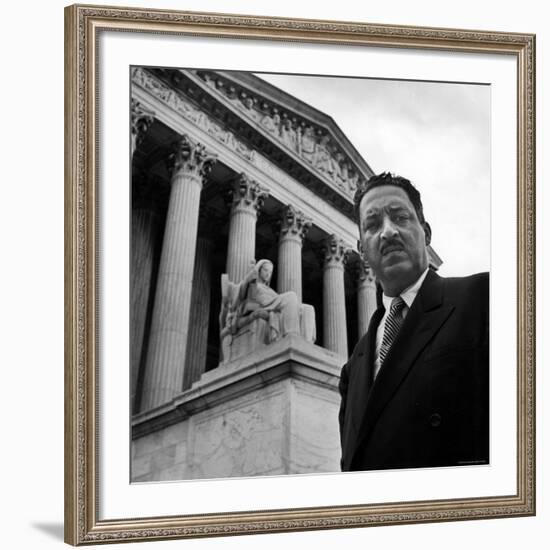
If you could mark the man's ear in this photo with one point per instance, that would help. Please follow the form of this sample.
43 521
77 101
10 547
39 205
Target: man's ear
427 232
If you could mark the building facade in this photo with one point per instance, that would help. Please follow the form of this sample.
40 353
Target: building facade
228 170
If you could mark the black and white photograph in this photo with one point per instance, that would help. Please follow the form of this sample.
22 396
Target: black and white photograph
309 274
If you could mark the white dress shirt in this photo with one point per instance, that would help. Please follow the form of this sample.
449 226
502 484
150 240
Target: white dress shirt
408 296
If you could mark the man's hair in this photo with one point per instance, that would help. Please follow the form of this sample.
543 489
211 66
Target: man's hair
385 178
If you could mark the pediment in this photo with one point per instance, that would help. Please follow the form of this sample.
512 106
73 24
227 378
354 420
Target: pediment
307 133
301 140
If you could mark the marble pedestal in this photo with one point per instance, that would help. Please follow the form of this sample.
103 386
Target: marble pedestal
272 412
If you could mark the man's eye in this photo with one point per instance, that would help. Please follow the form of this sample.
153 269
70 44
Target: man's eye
370 225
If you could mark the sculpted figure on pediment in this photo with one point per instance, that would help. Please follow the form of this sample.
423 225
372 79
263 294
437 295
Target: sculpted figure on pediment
323 159
347 178
344 173
272 122
289 136
231 93
249 103
336 169
308 144
209 79
353 180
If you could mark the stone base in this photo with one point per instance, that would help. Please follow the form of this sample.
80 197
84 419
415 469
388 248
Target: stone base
270 413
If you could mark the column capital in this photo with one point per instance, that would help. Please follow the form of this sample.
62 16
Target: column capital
293 223
141 118
190 158
363 270
246 193
334 252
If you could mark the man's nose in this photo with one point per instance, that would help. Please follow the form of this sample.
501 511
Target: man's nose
388 230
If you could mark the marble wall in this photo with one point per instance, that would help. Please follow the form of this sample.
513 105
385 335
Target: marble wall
284 424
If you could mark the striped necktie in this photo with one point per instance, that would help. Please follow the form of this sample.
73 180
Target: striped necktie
392 326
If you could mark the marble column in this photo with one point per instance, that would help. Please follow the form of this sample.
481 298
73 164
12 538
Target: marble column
144 228
294 227
170 321
197 339
334 299
141 119
366 296
144 232
247 197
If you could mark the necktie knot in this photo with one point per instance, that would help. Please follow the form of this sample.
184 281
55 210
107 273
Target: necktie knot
397 305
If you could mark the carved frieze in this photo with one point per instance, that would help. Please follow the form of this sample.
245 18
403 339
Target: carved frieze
175 89
310 142
190 112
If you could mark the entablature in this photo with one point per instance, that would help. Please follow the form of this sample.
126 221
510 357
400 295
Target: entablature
305 150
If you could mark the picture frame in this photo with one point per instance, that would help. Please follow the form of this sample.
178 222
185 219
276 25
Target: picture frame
84 236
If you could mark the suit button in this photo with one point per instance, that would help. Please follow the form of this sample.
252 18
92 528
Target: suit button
435 420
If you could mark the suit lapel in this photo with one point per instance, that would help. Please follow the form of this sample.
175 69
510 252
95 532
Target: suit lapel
424 319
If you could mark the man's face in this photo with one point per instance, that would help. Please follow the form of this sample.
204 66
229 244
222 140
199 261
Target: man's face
393 239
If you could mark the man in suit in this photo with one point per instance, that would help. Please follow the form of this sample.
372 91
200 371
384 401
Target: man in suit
415 391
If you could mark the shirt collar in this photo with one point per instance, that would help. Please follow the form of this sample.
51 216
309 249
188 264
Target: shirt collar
408 295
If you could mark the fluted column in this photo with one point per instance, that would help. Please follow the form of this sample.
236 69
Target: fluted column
294 226
334 299
144 231
170 322
143 237
141 119
247 197
197 339
366 296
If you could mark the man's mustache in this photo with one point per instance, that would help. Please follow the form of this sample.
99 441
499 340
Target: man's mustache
391 246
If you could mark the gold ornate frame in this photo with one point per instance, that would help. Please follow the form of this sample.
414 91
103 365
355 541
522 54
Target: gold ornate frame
82 24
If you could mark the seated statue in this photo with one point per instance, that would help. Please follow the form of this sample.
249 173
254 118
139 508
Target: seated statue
244 304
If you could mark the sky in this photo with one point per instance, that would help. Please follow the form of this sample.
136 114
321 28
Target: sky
435 134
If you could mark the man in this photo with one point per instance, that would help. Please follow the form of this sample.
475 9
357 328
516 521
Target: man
415 392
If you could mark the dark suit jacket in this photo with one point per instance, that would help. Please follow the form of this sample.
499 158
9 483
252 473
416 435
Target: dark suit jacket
429 404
